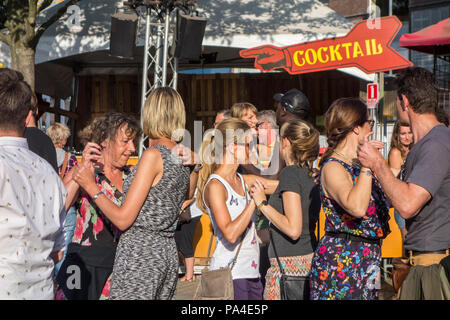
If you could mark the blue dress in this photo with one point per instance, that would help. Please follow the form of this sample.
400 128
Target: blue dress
346 269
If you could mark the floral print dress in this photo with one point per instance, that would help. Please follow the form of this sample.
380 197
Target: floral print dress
345 269
93 229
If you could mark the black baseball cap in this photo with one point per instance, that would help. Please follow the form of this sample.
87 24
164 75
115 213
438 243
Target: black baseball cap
294 101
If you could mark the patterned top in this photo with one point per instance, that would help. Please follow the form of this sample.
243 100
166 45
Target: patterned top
373 225
92 226
161 208
32 212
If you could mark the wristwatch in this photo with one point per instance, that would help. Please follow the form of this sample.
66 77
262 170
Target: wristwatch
263 203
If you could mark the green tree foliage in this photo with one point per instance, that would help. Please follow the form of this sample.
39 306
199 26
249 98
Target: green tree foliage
20 31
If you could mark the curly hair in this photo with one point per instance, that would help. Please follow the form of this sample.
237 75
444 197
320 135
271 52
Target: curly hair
58 132
106 127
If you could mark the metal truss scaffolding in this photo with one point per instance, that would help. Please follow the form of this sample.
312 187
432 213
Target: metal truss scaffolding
158 58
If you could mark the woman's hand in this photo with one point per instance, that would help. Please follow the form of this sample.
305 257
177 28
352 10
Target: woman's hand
257 192
84 175
91 153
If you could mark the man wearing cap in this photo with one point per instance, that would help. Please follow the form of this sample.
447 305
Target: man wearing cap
291 105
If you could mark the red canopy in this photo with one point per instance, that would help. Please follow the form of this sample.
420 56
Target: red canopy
432 39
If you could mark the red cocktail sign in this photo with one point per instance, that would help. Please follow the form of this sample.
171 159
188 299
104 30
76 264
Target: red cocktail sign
365 47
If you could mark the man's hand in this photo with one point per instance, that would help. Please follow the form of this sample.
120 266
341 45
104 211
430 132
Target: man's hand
267 57
368 153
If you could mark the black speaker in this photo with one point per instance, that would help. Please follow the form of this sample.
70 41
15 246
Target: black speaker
189 37
123 35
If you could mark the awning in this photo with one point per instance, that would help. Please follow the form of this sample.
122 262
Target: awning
232 25
434 39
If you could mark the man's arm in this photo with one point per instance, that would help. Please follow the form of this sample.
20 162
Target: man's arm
407 198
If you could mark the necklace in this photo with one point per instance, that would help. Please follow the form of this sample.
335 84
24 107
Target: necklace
354 163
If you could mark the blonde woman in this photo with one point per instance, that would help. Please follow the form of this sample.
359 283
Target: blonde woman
223 193
59 133
293 208
146 262
247 112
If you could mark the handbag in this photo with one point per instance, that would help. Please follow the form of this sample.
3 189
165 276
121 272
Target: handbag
217 284
291 287
399 272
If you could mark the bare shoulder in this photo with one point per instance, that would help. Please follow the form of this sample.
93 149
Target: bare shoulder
333 167
151 159
216 188
395 153
151 154
334 173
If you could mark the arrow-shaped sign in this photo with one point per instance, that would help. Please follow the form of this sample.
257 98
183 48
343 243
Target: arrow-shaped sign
365 46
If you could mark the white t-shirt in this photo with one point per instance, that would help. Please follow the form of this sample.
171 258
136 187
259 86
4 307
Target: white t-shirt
247 263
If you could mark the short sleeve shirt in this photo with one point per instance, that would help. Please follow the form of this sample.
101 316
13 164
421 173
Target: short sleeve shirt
428 165
32 213
296 179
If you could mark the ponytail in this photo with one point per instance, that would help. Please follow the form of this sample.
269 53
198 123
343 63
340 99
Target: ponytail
208 167
212 151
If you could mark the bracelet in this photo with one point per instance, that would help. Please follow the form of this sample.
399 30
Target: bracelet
98 194
368 172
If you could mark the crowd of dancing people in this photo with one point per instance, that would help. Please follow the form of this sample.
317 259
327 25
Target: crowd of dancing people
103 229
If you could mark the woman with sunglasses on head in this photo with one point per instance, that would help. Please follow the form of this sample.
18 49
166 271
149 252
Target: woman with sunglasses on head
223 193
347 259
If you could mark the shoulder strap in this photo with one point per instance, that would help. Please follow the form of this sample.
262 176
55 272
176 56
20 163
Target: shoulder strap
64 166
275 251
237 252
244 186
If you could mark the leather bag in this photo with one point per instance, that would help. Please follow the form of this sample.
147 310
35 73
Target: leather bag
217 284
291 287
399 272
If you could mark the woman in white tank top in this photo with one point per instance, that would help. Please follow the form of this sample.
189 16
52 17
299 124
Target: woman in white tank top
223 193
